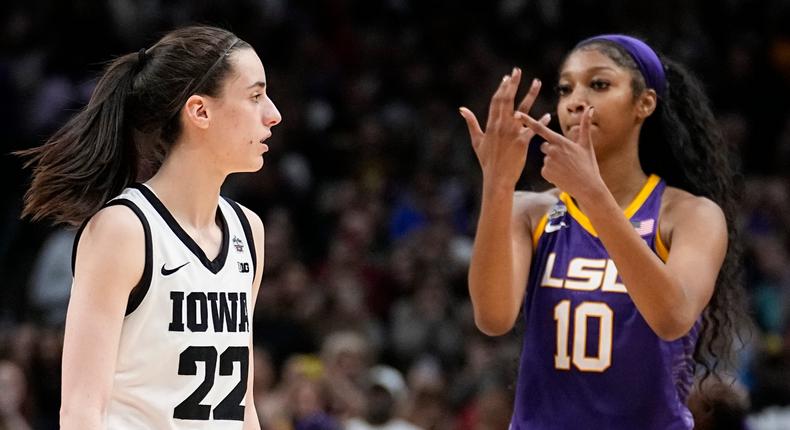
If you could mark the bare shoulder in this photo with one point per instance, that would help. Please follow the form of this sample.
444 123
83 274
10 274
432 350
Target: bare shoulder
113 225
530 206
255 223
111 250
698 216
680 204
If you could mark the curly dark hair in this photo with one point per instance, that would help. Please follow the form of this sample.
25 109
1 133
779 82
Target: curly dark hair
681 143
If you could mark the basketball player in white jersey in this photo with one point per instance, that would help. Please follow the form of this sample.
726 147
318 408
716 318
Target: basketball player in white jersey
158 332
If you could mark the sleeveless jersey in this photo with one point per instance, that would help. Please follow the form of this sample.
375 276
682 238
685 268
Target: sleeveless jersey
589 359
183 355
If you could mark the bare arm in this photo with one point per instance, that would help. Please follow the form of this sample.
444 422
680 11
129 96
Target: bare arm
250 413
105 274
670 297
500 261
502 248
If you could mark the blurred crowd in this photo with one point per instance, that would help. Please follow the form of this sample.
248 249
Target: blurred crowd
370 191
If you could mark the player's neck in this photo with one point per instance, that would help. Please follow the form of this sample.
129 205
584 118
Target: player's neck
623 177
189 188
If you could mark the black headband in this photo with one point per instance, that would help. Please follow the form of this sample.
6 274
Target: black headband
191 89
210 70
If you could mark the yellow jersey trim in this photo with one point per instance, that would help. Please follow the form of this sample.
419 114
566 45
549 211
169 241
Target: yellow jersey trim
630 210
661 248
538 232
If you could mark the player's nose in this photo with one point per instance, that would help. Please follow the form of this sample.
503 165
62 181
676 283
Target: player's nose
271 116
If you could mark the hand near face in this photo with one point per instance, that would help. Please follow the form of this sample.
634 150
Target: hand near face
502 148
569 165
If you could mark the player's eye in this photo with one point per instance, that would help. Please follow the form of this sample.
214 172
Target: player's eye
598 84
256 97
562 89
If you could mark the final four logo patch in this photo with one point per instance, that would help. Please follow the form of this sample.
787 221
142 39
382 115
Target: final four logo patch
558 211
238 244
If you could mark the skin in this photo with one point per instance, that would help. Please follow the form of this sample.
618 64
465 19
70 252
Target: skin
596 161
221 135
12 379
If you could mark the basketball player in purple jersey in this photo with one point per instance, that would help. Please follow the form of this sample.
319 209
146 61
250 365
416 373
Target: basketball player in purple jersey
617 268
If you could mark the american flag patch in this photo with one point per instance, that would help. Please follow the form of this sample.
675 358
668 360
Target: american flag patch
644 227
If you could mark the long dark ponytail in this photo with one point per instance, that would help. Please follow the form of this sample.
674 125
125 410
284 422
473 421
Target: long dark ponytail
132 118
681 142
702 162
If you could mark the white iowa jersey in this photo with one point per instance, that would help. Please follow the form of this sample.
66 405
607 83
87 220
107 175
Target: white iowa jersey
184 348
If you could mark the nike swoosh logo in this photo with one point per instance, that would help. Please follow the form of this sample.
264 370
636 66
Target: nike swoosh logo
167 272
551 228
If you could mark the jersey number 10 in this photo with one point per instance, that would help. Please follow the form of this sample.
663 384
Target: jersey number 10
584 311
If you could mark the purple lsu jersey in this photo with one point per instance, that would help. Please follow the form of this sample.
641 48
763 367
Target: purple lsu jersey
589 359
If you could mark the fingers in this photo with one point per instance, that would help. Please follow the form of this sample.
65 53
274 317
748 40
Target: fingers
541 128
511 88
497 100
545 119
529 133
585 137
475 132
529 99
504 97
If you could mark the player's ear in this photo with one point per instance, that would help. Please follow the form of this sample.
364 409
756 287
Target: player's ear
196 111
646 104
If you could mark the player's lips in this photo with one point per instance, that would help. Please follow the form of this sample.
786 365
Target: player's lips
265 147
574 127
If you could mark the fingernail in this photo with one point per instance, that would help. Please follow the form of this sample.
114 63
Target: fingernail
514 71
547 116
504 78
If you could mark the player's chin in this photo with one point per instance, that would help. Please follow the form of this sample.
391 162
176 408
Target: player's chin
253 165
257 164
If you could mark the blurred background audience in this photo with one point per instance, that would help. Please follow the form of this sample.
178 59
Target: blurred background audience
370 192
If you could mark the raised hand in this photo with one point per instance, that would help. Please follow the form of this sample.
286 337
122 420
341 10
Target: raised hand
569 165
502 148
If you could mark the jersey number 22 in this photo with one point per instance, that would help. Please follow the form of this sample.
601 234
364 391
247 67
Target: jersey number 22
230 407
